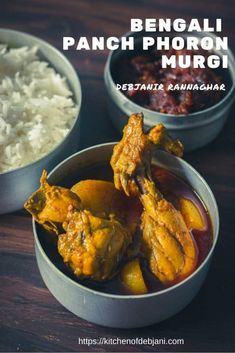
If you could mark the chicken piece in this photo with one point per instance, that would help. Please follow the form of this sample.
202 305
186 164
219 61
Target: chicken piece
132 155
93 247
49 204
168 245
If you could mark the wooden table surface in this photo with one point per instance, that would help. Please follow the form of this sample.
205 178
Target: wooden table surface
30 317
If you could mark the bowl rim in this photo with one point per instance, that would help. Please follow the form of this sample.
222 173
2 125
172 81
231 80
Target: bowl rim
215 228
194 115
78 104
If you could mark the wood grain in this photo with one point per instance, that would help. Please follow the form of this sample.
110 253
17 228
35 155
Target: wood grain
30 317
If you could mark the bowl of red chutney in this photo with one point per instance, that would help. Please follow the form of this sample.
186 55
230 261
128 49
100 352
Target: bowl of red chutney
181 88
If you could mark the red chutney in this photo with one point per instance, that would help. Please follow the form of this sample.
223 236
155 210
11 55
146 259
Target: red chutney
146 68
172 188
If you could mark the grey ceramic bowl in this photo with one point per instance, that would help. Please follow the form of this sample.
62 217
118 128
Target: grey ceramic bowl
194 130
16 185
123 311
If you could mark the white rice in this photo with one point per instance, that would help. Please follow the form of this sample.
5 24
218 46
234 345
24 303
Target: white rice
36 108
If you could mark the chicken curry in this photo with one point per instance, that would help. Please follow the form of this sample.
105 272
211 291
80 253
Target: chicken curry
145 231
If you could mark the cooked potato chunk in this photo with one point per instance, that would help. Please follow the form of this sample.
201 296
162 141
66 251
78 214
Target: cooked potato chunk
99 196
133 279
191 214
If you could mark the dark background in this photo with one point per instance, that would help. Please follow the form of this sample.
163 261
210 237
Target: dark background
30 318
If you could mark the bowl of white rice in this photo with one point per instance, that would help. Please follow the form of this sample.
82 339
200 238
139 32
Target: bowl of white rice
40 102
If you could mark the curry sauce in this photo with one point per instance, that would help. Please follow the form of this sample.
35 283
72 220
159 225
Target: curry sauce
173 188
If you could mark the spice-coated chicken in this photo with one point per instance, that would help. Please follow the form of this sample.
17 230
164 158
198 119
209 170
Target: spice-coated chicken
49 204
132 155
168 245
92 246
